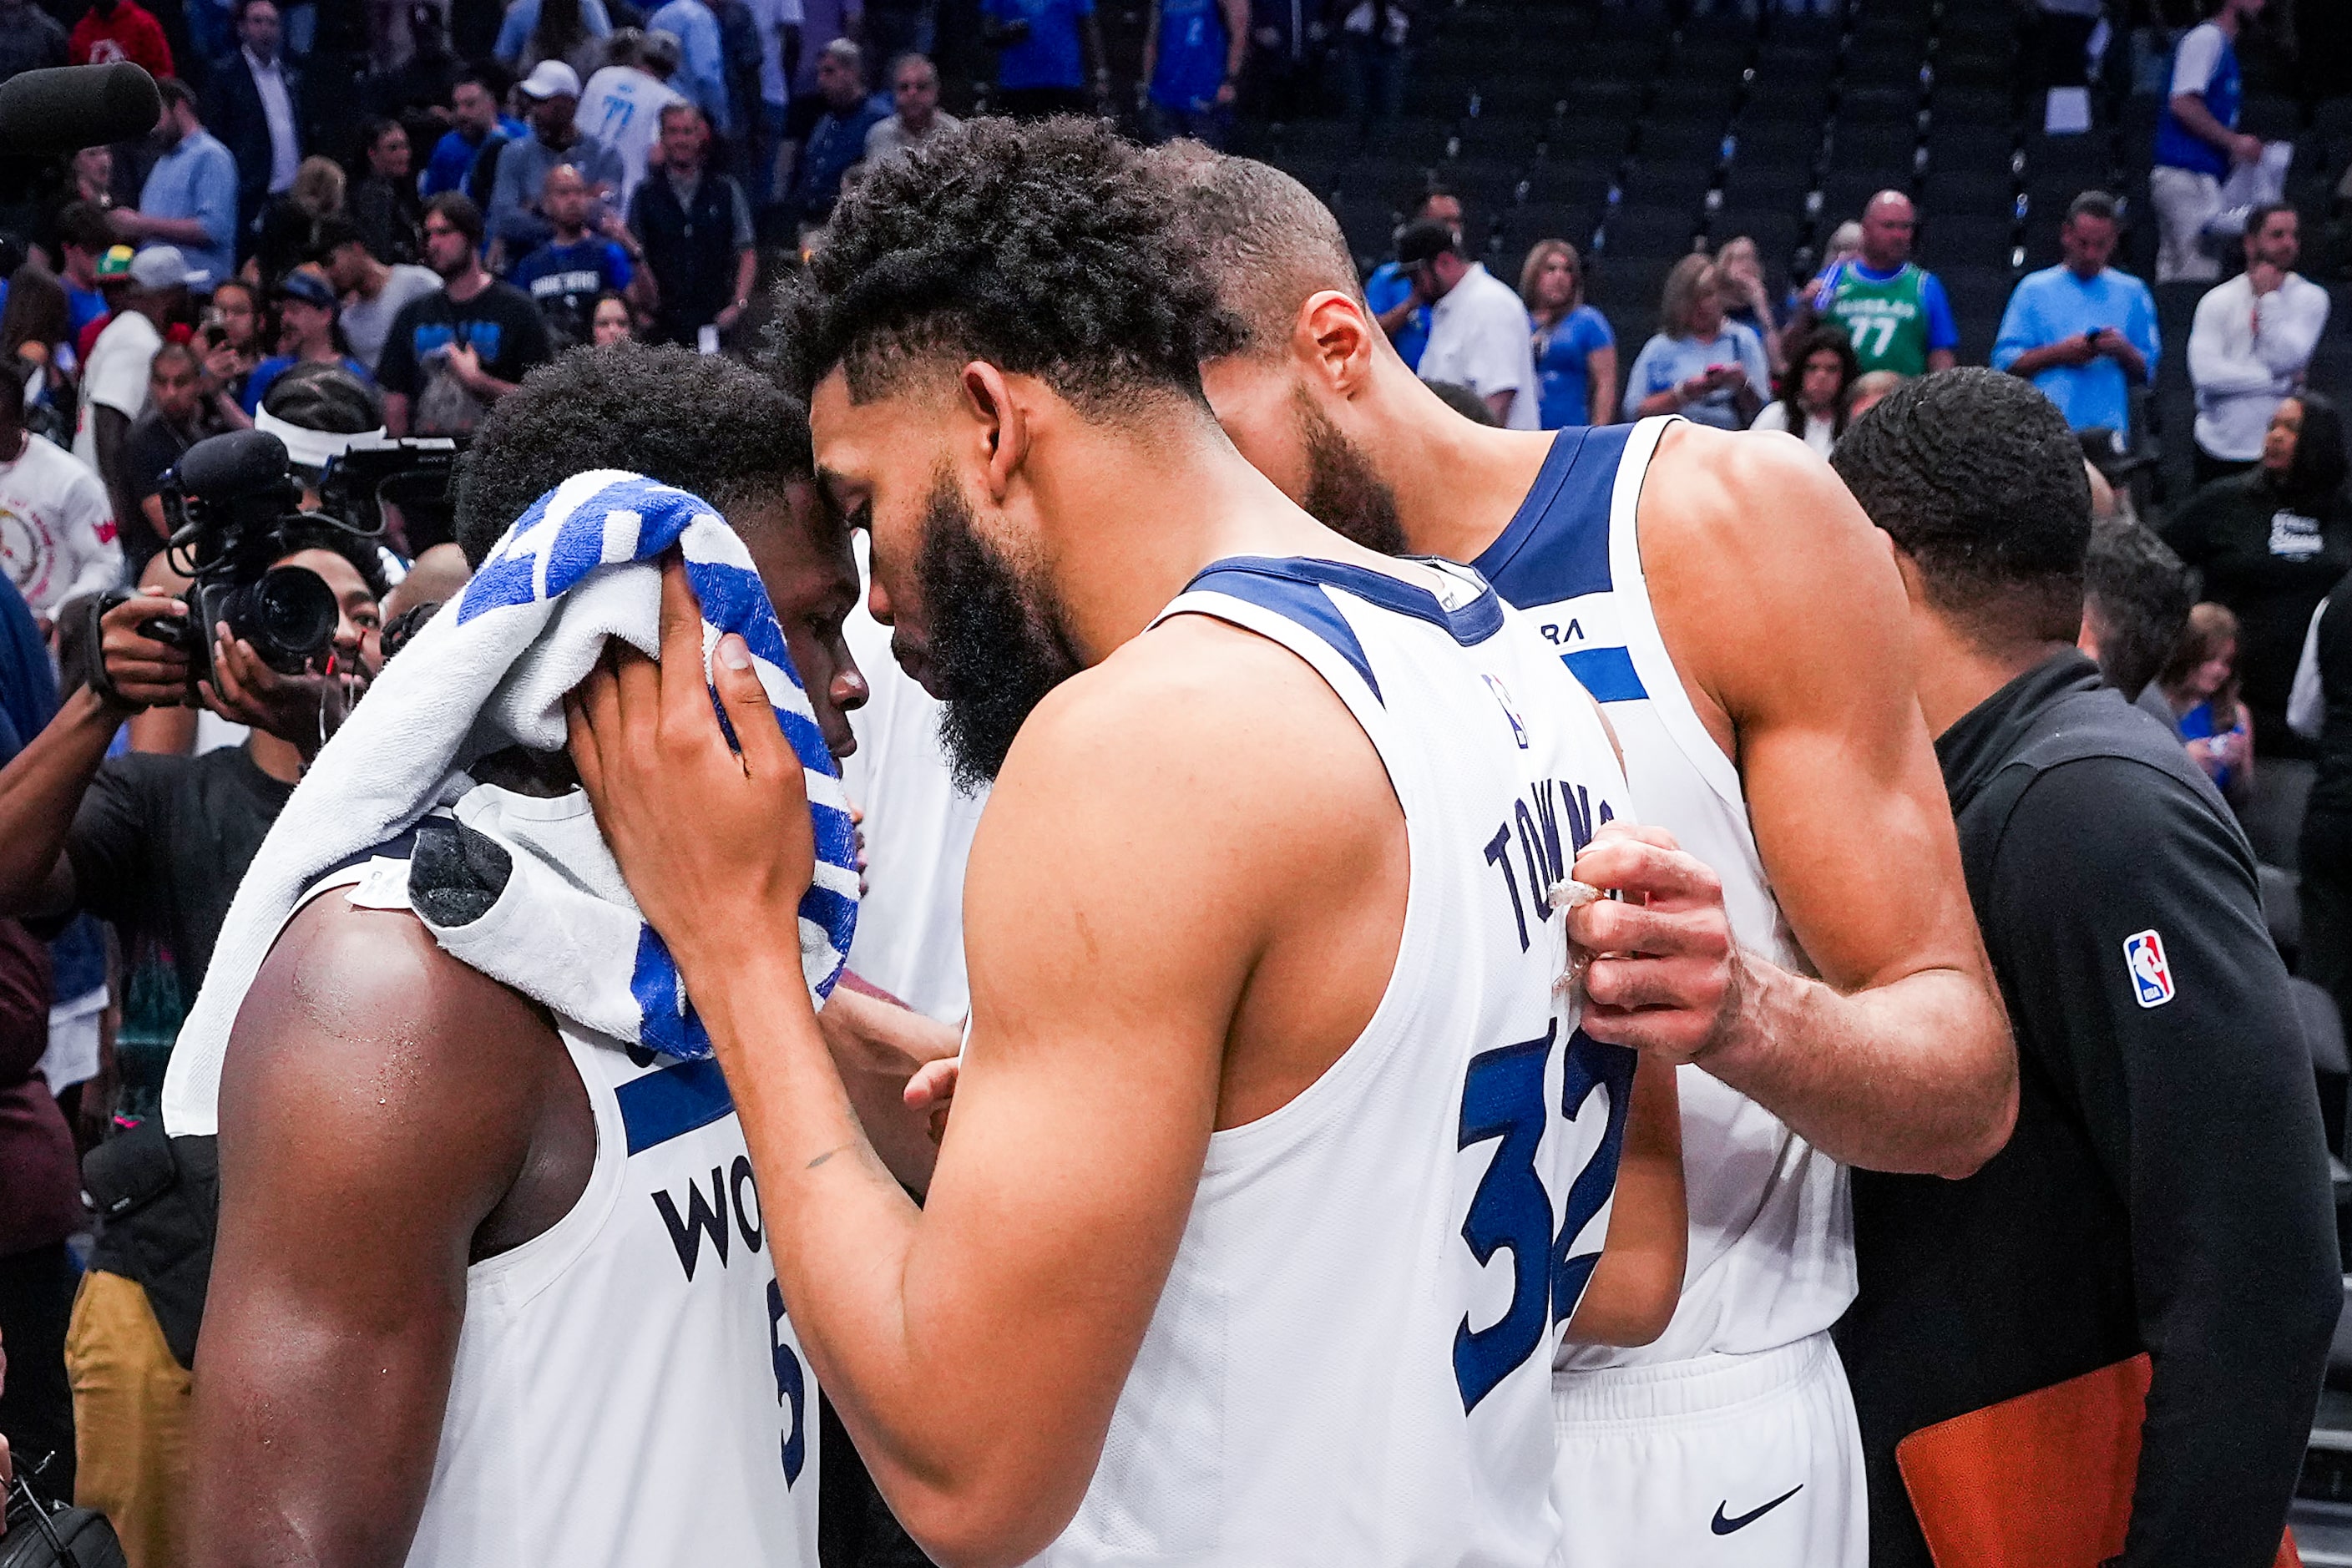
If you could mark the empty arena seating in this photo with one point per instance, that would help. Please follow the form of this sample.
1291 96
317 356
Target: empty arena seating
1638 132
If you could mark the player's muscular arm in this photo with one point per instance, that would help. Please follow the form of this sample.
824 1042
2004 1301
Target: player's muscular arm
377 1108
1134 858
1780 605
43 784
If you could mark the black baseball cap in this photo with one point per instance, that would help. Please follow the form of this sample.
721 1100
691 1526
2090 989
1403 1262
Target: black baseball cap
1424 242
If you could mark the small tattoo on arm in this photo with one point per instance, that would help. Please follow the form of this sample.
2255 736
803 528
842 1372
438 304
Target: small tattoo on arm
828 1154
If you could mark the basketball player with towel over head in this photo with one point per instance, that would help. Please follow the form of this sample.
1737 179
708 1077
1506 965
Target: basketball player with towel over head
491 1284
1743 627
1278 1164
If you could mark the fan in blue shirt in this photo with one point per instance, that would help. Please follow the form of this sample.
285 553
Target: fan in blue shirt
476 123
1403 314
2083 332
565 276
1576 353
1190 56
1043 50
306 308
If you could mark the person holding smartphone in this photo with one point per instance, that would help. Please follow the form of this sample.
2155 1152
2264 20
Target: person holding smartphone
1698 364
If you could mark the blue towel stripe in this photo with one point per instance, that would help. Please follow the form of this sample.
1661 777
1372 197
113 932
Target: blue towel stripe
728 594
837 912
732 600
837 835
498 585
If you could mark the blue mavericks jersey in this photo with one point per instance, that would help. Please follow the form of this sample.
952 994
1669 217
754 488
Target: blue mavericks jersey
2178 147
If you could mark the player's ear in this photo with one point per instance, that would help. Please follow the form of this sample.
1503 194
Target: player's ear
1336 341
1000 425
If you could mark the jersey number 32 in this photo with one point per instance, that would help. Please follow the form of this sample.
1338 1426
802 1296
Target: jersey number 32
1503 1100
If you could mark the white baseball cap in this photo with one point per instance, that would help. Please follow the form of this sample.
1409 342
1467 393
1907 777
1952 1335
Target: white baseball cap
551 79
163 266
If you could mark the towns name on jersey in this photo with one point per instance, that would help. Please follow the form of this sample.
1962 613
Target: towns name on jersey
1534 828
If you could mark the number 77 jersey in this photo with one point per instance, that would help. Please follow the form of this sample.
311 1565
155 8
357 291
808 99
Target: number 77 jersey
1352 1360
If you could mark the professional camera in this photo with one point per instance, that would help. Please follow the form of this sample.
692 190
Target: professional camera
410 473
229 500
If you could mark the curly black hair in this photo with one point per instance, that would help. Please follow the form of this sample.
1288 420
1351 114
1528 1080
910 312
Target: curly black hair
1047 249
705 423
1977 478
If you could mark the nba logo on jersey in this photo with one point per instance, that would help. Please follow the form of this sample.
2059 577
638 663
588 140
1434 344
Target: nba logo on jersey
2151 975
1519 731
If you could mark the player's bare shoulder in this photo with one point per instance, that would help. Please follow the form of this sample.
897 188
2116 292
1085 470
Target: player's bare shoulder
1228 737
362 1005
1202 701
1756 555
1710 490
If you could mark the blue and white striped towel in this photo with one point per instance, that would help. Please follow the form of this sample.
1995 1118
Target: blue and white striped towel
489 672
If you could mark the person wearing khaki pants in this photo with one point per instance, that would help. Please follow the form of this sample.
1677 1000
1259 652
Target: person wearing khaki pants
131 1415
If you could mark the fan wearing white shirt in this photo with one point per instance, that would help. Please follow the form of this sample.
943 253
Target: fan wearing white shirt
622 104
1478 327
114 380
57 530
2251 344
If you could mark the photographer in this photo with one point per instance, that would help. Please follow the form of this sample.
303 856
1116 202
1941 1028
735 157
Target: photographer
158 844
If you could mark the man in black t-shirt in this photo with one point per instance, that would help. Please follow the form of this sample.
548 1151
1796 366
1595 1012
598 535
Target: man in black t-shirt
158 844
451 354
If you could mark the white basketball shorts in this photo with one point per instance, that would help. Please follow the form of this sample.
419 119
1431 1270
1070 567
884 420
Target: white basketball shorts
1746 1460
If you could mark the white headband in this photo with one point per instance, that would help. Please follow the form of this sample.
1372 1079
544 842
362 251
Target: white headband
311 448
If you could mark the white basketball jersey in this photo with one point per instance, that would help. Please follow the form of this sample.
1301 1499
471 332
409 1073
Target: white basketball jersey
1771 1242
1351 1359
628 1392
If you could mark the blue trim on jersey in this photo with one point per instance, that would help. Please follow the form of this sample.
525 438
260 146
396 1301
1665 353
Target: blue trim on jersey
1606 673
673 1102
400 847
1294 600
1292 588
1556 547
1471 625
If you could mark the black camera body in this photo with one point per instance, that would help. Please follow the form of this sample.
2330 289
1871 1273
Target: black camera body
413 473
229 500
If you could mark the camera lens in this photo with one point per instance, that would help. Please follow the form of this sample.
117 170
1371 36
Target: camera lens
288 615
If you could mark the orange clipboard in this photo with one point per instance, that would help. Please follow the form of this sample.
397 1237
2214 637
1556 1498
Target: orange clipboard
2044 1480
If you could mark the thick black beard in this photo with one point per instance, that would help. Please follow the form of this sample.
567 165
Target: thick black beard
996 649
1344 493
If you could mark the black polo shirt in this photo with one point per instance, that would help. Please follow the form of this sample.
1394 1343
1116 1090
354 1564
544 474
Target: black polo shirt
2167 1186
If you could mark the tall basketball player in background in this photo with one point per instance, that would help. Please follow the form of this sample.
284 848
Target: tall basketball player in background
1743 626
1277 1162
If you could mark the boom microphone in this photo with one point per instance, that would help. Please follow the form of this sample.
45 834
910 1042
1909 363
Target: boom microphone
238 463
67 108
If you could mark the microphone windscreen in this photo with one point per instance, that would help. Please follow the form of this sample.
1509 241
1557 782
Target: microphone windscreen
238 463
67 108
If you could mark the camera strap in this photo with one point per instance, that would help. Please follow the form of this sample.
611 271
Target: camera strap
100 680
